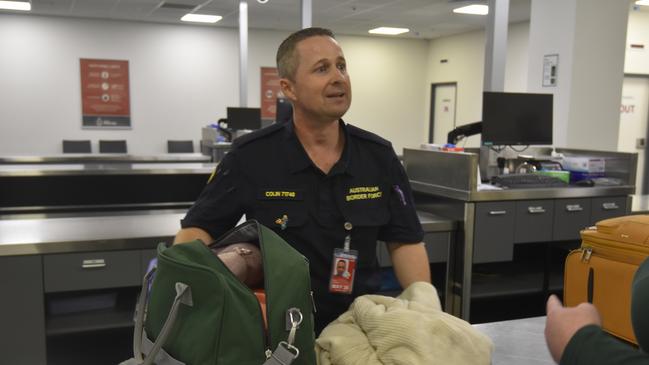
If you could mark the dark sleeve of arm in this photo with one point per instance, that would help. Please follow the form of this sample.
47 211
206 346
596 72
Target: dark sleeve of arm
219 206
404 225
640 305
592 346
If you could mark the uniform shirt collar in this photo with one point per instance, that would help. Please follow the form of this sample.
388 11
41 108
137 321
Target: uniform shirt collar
299 159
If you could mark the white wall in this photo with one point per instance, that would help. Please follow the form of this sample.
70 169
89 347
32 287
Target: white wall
388 88
182 77
598 70
637 60
465 55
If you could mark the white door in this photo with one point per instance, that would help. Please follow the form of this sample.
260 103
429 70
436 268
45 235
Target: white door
444 112
633 123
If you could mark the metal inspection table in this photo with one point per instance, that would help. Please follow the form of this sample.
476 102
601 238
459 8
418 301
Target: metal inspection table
519 341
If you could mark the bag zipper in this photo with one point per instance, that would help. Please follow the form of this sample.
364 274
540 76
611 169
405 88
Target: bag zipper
265 331
615 253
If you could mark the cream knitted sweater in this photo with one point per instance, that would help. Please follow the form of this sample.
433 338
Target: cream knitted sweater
408 330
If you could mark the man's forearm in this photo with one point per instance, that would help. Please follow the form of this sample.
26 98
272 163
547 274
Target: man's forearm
410 263
191 234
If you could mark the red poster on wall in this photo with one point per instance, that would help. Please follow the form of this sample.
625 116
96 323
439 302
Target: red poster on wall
270 91
105 94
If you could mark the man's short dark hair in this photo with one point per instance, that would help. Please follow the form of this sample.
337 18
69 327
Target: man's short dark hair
286 57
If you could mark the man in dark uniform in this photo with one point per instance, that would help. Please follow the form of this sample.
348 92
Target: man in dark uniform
331 190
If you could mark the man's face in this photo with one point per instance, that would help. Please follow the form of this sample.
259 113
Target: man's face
340 267
321 88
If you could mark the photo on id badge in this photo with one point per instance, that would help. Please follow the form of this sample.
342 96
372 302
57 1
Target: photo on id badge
342 272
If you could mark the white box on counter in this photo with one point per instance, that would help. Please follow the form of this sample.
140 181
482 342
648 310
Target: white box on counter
584 164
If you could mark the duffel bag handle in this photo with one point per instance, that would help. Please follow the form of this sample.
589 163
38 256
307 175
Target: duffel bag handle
183 296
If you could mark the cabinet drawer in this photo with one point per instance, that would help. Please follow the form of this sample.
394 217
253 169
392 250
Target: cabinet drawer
494 232
534 221
609 207
570 217
91 270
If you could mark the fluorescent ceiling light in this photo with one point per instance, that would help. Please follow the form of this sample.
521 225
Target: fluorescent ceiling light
389 31
473 9
642 2
16 5
201 18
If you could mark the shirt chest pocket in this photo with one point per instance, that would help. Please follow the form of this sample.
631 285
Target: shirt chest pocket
280 208
367 221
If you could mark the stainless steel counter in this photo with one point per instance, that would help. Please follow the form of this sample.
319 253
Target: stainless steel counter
104 158
111 231
520 341
105 169
434 223
521 194
116 231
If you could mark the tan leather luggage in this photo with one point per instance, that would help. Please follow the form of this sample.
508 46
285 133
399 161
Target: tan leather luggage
601 271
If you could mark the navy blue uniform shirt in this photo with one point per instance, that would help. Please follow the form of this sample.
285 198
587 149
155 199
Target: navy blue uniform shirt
268 176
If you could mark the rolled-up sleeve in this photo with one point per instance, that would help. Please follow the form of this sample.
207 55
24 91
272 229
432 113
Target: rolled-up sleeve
404 225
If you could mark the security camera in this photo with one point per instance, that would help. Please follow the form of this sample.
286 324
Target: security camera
262 1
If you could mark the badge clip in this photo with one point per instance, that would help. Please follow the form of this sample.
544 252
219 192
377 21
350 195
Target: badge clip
282 221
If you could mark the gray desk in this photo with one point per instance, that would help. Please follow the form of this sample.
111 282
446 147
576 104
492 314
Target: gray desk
519 341
44 257
492 222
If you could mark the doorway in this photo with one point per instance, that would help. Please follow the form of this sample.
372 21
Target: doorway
442 111
634 116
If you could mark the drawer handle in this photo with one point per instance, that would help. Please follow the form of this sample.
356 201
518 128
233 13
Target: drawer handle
93 264
574 208
610 206
498 212
536 210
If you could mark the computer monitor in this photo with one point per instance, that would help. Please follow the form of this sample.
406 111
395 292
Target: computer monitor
516 119
283 110
244 118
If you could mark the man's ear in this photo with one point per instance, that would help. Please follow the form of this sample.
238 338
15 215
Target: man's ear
287 89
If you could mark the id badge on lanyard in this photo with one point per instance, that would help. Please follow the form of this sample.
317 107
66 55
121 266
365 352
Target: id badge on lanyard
343 267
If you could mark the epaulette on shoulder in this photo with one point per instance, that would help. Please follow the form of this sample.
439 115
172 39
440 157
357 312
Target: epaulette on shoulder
361 133
247 138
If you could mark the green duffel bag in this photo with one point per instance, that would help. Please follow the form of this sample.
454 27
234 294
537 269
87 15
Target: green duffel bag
198 313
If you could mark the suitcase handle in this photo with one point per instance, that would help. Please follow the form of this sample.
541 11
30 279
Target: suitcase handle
183 296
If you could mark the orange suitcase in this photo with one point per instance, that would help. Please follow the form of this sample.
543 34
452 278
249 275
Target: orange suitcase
601 271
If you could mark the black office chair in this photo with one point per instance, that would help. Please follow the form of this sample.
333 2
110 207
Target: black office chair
114 146
180 146
76 146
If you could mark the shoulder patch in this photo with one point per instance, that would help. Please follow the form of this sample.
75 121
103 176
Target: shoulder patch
247 138
361 133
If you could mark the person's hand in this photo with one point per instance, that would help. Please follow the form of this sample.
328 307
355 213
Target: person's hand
562 323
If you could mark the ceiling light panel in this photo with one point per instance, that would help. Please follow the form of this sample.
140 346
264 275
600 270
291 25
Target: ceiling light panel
201 18
473 10
15 5
388 30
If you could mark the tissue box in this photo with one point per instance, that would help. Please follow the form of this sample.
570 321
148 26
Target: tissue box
592 165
